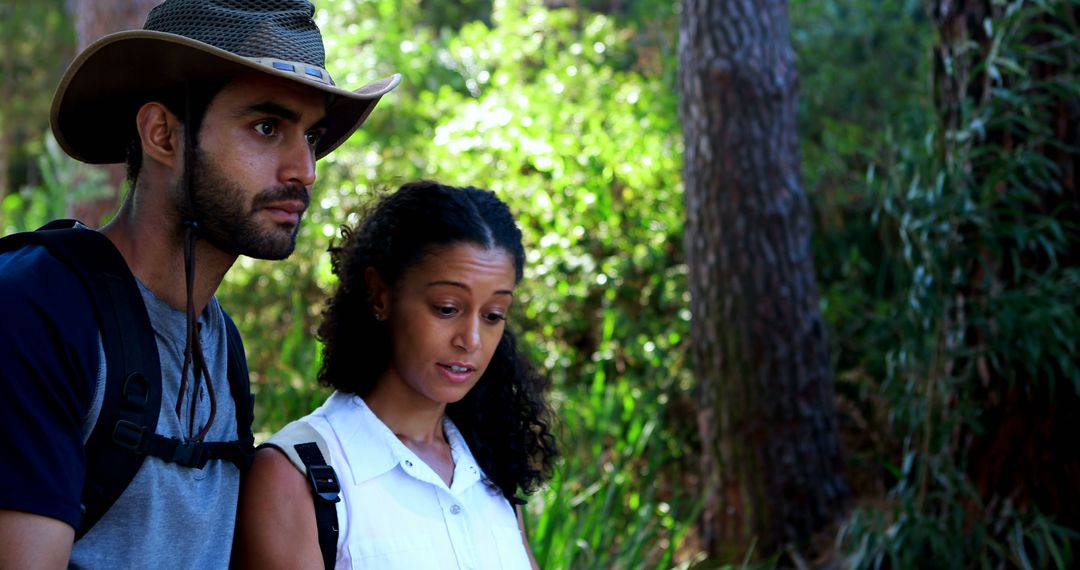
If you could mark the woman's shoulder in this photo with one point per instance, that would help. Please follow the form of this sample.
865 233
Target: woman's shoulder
275 490
345 417
337 412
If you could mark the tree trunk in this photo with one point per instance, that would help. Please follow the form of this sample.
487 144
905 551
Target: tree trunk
1023 454
771 458
94 19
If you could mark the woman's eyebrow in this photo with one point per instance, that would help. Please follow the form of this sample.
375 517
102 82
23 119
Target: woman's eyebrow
464 286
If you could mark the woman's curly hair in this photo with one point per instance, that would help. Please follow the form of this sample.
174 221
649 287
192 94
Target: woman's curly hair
504 417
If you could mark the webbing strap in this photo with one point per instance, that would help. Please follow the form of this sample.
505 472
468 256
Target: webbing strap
325 490
171 450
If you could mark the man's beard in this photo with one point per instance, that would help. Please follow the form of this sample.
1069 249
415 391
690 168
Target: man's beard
225 222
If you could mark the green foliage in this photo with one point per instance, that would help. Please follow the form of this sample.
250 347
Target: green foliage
863 71
62 180
971 256
36 40
612 517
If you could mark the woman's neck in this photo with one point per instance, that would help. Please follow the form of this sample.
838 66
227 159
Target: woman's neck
412 421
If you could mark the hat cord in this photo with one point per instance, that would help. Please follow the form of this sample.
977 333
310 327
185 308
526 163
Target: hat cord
193 351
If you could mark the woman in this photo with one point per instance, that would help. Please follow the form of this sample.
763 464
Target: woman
437 422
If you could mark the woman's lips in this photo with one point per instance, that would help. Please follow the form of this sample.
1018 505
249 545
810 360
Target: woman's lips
457 371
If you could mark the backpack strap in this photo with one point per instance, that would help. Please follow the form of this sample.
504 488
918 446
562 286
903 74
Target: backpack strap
307 450
197 453
132 398
243 399
125 430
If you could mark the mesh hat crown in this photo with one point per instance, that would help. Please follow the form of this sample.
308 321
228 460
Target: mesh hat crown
280 29
194 40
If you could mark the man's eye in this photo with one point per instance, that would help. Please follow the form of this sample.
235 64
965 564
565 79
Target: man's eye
266 128
313 138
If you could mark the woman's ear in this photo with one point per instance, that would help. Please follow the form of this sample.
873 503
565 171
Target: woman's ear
161 133
378 294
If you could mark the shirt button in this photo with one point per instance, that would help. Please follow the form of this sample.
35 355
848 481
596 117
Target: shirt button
408 463
455 510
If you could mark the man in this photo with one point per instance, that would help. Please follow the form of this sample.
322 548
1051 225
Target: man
221 110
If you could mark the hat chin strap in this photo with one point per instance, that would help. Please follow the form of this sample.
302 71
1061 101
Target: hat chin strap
193 351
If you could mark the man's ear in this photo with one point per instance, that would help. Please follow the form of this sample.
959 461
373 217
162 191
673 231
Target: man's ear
378 294
161 133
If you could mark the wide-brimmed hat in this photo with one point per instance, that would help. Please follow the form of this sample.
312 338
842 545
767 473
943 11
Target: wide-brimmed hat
193 40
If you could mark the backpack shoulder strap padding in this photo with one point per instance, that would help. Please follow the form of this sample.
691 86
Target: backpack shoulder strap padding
240 388
307 450
293 433
126 424
132 398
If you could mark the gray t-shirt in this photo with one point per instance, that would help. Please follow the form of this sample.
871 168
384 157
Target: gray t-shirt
172 516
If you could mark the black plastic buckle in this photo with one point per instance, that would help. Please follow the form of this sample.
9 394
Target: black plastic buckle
128 435
324 482
136 390
190 454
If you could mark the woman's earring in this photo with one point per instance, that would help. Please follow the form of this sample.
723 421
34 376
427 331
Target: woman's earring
378 316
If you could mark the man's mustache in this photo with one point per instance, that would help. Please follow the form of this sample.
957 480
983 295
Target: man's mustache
280 194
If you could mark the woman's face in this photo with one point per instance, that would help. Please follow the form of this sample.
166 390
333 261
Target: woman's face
446 317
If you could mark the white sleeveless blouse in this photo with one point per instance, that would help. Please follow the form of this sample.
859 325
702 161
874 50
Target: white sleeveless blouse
396 513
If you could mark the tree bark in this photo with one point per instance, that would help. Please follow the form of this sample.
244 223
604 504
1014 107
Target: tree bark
771 458
93 20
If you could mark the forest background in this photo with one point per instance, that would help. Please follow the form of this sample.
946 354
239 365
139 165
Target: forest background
569 110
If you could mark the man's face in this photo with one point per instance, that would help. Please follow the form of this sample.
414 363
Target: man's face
255 164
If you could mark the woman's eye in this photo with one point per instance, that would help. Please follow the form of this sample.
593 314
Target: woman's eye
445 311
496 317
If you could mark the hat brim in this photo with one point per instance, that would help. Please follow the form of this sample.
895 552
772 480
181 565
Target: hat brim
94 106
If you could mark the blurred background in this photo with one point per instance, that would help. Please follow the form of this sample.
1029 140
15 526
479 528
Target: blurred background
934 183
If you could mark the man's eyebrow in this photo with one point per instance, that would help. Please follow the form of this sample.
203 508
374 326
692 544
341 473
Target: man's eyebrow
269 108
280 111
466 287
